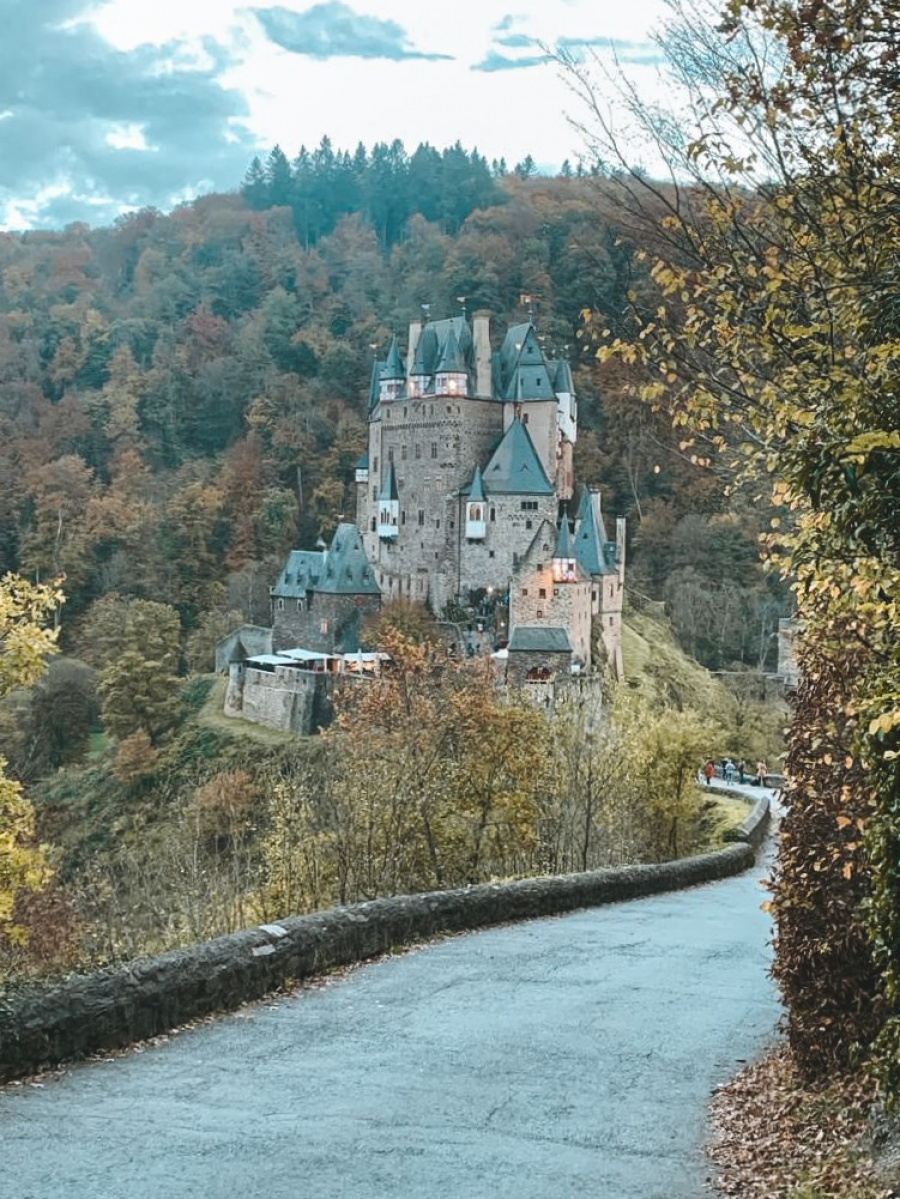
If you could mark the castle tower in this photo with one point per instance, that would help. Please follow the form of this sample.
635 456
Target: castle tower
469 444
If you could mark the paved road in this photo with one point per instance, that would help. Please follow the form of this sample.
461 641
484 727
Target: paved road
563 1057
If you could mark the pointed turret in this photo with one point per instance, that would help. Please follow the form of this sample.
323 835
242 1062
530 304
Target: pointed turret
565 569
451 376
392 374
389 507
475 509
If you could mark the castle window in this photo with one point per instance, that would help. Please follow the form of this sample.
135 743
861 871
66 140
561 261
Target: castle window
490 553
372 525
434 449
418 452
403 453
525 418
280 605
493 514
528 524
451 387
529 505
540 613
610 620
323 627
403 517
437 523
542 593
421 517
299 605
540 566
556 591
524 590
374 464
374 493
452 524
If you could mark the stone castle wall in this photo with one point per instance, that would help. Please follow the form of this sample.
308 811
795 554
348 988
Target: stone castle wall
287 699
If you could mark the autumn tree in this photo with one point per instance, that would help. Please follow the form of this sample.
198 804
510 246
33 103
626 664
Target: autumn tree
773 338
135 646
25 643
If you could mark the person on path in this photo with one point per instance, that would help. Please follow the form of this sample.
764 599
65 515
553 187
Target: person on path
709 771
729 771
762 771
742 770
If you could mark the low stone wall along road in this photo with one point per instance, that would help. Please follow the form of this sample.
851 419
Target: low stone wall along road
568 1056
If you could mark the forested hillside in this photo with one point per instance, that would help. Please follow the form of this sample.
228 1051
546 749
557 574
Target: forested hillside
182 397
183 400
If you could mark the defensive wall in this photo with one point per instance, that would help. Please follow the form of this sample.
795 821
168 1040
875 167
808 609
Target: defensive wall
41 1027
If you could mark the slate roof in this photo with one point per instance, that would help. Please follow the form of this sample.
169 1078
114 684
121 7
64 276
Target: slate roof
514 468
343 569
451 339
564 539
591 546
346 569
539 639
476 487
393 366
521 372
451 357
561 375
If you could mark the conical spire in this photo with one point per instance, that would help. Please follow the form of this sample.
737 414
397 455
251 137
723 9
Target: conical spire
451 359
564 539
393 367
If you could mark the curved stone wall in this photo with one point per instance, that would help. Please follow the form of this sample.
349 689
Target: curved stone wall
87 1014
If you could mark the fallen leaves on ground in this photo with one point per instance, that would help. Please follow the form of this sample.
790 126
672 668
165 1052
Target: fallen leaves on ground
776 1139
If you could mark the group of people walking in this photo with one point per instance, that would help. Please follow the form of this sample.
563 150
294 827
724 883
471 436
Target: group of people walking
731 771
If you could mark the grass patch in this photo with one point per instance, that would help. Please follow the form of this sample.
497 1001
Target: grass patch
98 744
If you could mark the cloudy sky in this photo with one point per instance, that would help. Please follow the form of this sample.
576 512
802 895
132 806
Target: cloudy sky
149 102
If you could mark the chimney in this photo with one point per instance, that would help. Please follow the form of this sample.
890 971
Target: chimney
481 335
620 545
415 331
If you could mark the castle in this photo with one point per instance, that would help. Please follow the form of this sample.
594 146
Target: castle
465 487
464 500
